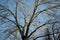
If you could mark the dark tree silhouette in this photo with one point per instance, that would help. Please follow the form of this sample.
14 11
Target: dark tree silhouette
11 19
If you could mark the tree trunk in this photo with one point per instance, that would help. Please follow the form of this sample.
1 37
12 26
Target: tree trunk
24 38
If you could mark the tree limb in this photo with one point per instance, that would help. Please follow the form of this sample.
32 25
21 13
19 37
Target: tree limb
17 24
45 35
39 12
35 7
8 19
7 10
41 26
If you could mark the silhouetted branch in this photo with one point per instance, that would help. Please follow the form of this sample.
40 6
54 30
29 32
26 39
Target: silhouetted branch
35 7
48 2
39 12
10 31
17 24
41 26
48 35
45 35
53 31
8 19
7 10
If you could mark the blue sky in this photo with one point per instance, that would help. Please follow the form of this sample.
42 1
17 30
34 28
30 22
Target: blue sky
11 5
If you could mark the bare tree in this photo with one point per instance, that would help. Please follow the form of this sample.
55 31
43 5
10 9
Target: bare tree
11 19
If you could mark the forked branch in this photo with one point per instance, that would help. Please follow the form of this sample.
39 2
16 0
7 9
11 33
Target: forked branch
41 26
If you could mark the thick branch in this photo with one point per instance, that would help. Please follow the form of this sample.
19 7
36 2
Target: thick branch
7 10
17 24
45 35
39 12
4 8
33 17
8 19
41 26
48 2
35 7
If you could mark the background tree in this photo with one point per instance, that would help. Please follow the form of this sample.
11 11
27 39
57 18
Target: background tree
21 20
